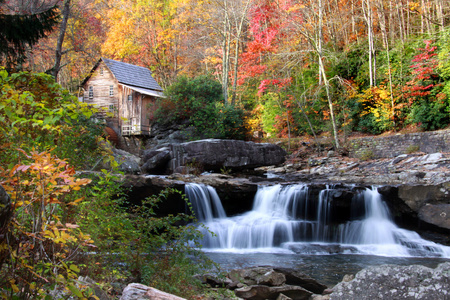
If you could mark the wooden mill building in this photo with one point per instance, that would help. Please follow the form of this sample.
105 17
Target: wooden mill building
126 94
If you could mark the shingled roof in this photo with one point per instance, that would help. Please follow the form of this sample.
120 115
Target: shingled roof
132 75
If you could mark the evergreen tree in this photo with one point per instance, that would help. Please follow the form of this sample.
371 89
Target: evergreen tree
20 31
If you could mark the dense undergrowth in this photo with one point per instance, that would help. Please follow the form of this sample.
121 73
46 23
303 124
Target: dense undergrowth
62 224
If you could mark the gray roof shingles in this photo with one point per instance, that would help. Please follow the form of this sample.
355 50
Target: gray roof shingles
132 75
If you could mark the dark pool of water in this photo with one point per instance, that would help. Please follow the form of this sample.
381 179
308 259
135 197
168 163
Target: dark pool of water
327 269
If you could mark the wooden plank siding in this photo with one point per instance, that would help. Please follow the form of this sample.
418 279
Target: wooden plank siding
101 90
131 117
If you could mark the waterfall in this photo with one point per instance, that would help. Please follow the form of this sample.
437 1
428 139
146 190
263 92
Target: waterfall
288 217
205 202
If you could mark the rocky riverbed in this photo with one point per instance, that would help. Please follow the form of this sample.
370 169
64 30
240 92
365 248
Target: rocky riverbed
416 184
414 168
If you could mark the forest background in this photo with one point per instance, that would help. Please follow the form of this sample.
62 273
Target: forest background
293 67
280 68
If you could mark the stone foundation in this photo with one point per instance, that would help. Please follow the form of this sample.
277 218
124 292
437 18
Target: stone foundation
393 146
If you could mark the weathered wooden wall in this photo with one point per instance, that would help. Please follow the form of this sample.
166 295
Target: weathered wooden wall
101 85
138 111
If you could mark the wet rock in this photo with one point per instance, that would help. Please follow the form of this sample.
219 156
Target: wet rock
249 276
212 155
438 215
321 248
253 292
261 292
214 280
396 282
156 160
295 277
272 278
416 196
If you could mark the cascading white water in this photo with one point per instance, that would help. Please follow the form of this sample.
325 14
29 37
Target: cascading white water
287 217
205 202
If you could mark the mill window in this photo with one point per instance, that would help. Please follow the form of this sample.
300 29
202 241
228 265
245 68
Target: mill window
91 92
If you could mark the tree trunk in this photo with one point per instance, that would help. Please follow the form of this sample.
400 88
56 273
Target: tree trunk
386 45
62 32
226 52
239 31
370 35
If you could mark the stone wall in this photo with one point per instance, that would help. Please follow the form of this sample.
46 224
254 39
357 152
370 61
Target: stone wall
392 146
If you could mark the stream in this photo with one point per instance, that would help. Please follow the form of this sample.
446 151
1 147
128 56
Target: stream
288 228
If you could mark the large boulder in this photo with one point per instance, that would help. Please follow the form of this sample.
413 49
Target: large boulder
258 275
269 283
156 160
427 206
295 277
128 163
396 282
437 215
416 196
212 155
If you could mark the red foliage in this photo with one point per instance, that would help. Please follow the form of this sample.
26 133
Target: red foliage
266 30
424 74
278 83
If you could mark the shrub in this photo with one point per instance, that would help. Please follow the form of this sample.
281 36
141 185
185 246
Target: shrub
186 96
200 101
366 155
36 112
58 217
157 251
43 239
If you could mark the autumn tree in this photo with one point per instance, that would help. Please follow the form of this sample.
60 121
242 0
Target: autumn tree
77 47
430 107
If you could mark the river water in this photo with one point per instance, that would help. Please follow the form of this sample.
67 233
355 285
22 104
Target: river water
327 269
288 228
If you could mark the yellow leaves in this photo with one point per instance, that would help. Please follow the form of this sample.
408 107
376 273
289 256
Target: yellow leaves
414 6
59 236
12 284
378 102
47 177
76 202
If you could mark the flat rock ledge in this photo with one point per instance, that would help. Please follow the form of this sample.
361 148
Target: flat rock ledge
416 168
396 282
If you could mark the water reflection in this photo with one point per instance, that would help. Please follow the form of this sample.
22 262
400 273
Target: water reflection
327 269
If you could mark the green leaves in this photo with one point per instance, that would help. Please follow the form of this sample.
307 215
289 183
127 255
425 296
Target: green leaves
200 100
37 113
